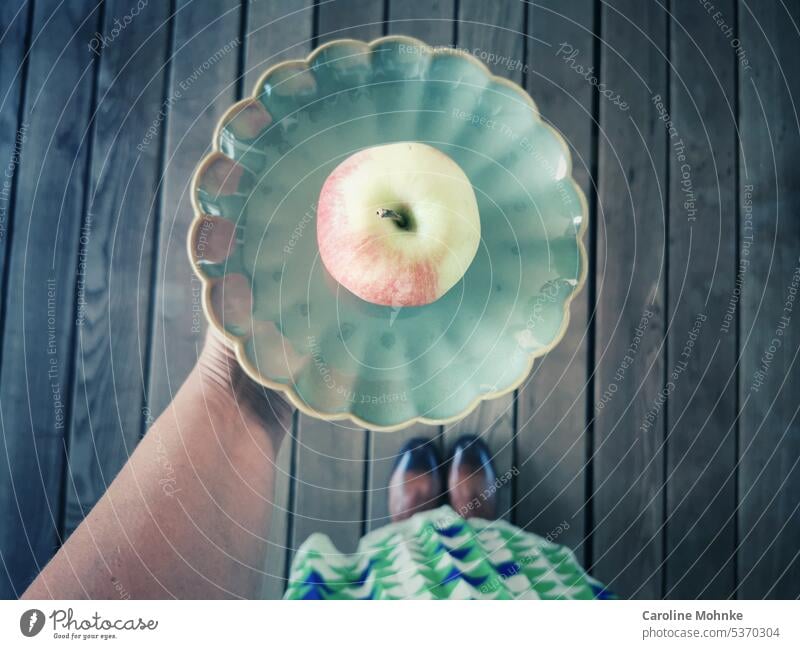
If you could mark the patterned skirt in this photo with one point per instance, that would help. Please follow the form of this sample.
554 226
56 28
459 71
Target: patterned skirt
438 555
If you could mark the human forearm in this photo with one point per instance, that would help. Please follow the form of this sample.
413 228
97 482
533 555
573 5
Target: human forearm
188 514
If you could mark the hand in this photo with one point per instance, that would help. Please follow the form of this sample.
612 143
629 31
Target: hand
219 369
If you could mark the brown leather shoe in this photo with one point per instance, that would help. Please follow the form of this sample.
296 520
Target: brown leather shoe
471 480
416 482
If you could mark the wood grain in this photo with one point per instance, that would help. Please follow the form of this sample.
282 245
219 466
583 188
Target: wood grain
431 22
627 497
360 19
769 477
14 27
701 359
551 444
116 252
50 203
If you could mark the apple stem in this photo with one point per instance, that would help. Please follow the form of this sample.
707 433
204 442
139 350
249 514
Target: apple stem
386 213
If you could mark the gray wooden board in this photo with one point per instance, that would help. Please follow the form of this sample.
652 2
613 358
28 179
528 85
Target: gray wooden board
769 439
431 22
360 19
39 298
701 413
627 494
116 254
551 444
14 23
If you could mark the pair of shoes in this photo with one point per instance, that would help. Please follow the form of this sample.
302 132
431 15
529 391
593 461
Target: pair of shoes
420 480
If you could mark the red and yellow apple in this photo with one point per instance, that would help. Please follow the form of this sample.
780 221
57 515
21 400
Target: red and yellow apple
398 224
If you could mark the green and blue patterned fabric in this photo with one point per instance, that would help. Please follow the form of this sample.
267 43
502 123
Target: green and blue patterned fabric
438 555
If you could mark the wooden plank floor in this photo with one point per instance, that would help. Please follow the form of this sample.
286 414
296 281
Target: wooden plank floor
659 440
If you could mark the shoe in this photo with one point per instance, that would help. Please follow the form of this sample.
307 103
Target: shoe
471 480
416 482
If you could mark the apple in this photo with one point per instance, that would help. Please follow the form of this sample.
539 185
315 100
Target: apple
398 224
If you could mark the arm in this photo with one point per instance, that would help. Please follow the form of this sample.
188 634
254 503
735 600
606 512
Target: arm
188 514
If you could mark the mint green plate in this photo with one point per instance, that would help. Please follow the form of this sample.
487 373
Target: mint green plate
253 241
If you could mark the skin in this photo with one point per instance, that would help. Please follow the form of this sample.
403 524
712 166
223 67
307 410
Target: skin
188 515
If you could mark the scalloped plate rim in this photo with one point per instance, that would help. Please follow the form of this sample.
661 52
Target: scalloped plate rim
238 345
